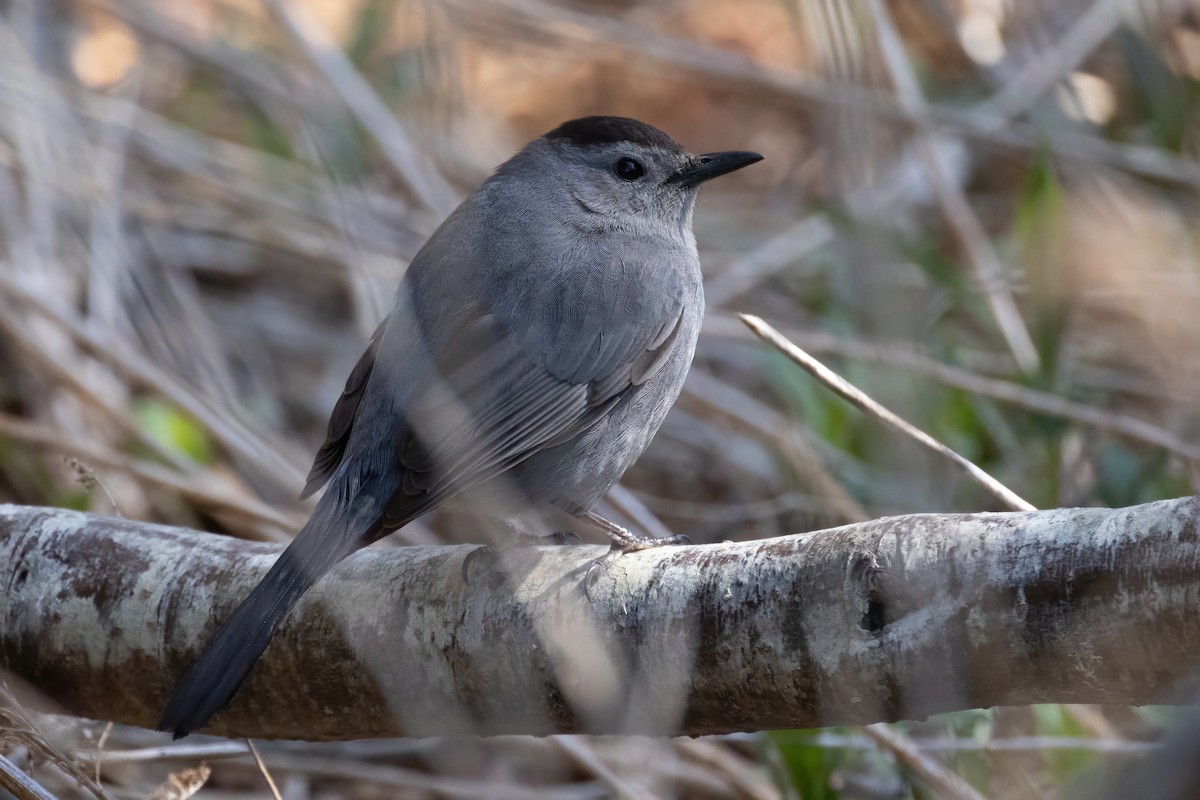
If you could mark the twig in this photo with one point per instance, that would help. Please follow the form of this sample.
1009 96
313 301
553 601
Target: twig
769 258
17 727
34 347
765 423
87 478
1041 73
848 392
1092 720
108 729
1036 400
1012 744
632 508
412 779
872 199
933 774
21 785
252 70
989 272
429 186
571 27
580 751
230 432
746 777
263 769
208 751
738 513
270 523
243 173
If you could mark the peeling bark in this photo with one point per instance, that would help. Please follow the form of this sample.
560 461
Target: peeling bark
892 619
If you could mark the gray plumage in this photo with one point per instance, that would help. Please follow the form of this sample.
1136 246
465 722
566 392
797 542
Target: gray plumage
538 340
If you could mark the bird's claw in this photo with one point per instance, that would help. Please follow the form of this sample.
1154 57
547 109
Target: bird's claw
601 564
482 551
599 567
677 539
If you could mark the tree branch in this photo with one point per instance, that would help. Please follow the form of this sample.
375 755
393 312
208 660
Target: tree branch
890 619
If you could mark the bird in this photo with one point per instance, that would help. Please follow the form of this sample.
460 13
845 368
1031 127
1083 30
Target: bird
537 341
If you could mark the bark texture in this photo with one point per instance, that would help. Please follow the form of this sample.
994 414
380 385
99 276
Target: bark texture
890 619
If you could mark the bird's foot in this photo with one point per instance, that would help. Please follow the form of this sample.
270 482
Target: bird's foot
623 541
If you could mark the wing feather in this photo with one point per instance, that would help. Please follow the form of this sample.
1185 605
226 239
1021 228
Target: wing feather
341 420
508 408
509 380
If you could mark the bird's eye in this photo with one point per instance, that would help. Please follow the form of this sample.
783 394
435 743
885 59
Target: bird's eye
628 170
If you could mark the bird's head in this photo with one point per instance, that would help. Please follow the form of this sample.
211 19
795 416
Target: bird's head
615 172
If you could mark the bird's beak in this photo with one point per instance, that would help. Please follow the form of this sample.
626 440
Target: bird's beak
710 165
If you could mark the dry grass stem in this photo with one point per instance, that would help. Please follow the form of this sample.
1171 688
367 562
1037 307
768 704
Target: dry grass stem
19 784
429 186
928 771
869 406
266 773
1042 402
989 271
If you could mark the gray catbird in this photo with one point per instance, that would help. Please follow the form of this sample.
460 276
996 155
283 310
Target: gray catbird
538 339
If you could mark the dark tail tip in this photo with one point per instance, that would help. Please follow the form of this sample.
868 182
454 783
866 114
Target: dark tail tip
193 703
229 656
182 716
227 659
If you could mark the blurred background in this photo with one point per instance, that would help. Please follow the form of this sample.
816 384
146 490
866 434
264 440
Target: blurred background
982 212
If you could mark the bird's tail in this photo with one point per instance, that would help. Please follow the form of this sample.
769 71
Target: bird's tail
337 528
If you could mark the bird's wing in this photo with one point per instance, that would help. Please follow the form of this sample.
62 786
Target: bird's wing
498 404
341 420
543 360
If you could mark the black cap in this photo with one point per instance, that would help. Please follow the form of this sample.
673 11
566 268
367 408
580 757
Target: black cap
612 130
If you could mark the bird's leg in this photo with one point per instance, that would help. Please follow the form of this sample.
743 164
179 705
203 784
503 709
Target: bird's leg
623 541
628 541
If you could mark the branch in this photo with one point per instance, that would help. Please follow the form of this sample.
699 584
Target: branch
891 619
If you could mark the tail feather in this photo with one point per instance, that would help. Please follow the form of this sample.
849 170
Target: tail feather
333 532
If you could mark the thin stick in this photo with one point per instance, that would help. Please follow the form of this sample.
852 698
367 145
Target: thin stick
21 785
720 398
633 509
228 430
866 404
108 729
270 524
19 729
580 751
771 257
1039 74
1040 402
364 103
944 782
989 271
263 769
568 27
747 777
1014 744
175 752
86 477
